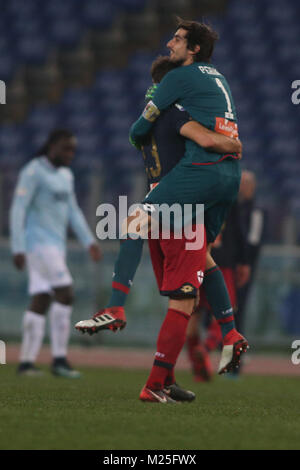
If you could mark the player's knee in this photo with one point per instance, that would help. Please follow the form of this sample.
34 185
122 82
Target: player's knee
183 304
40 303
182 299
64 295
137 224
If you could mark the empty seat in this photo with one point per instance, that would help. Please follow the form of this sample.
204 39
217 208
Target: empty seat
131 5
99 14
81 122
66 32
7 67
32 51
77 99
43 117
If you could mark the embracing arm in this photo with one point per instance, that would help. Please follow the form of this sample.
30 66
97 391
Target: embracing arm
210 140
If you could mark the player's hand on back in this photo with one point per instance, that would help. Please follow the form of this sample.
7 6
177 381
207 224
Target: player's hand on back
240 153
19 261
150 92
95 252
134 143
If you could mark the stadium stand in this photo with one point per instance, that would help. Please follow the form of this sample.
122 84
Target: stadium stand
50 58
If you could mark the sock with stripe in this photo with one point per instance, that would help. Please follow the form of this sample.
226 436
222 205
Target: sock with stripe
218 298
170 342
125 268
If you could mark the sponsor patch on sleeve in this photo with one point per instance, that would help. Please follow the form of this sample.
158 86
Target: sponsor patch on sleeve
151 112
226 127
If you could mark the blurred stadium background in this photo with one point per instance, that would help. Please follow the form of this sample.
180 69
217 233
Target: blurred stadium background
84 65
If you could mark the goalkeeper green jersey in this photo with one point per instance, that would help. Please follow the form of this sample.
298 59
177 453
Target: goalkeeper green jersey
205 94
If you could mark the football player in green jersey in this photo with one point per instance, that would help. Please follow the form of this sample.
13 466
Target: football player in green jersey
200 178
197 179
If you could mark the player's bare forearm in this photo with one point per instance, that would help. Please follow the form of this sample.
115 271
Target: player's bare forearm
210 140
224 144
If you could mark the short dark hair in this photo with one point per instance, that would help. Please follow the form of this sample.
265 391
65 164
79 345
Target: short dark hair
160 67
200 34
53 138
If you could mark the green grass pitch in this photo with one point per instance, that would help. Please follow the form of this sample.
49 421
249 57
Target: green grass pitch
101 411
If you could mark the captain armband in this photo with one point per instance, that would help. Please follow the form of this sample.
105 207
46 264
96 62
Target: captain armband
151 112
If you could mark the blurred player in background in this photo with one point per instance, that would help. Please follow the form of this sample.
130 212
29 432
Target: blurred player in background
230 252
236 251
252 222
44 204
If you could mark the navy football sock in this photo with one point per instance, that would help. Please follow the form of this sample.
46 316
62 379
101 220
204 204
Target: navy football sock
125 268
218 298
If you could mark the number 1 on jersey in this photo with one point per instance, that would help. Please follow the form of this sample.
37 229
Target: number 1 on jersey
229 113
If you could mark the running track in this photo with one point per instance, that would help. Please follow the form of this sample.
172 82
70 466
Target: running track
142 359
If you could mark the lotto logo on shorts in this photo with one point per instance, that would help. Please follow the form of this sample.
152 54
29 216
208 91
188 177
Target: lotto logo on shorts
2 352
187 289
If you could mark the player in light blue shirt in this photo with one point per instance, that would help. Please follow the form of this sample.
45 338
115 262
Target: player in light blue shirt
43 207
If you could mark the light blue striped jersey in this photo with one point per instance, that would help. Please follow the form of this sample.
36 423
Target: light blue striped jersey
44 204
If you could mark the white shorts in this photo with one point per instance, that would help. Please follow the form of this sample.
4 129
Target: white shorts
47 270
